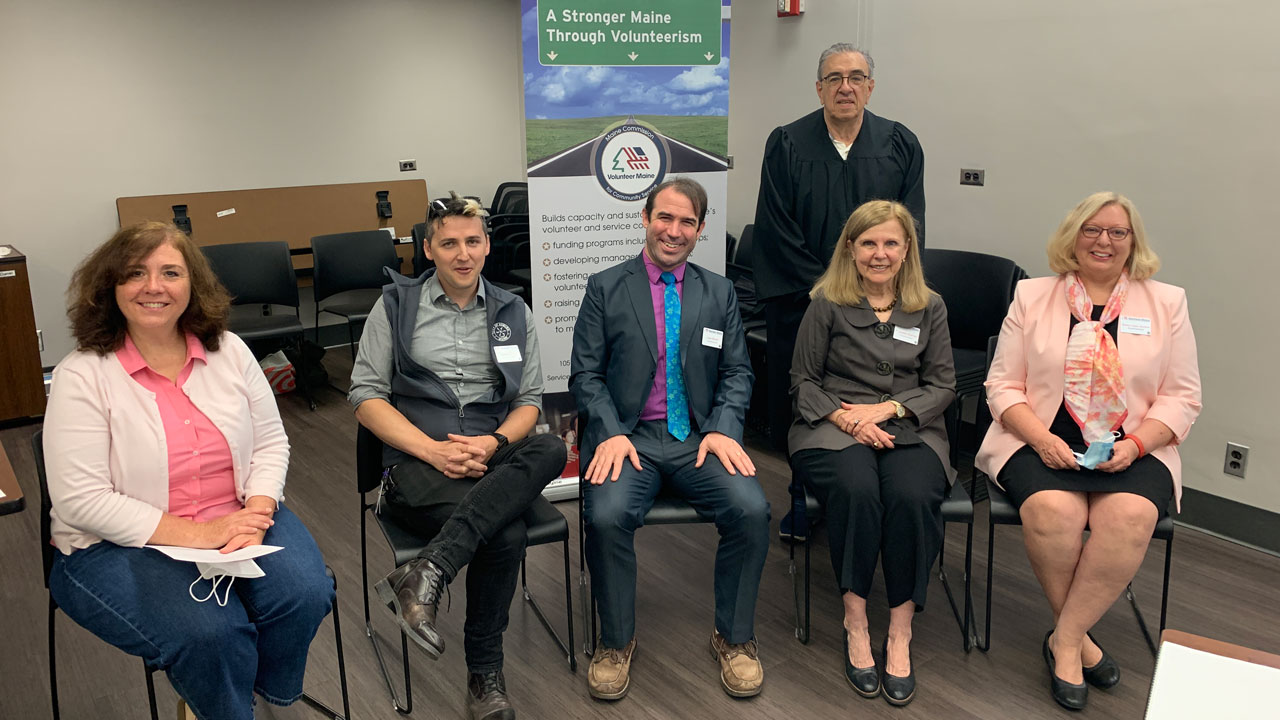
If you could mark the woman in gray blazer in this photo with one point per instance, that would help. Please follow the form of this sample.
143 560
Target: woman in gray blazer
870 379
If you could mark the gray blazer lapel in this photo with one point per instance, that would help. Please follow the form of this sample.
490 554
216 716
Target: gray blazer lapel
690 310
642 302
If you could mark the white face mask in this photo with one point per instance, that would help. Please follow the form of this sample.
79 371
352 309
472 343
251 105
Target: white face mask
220 571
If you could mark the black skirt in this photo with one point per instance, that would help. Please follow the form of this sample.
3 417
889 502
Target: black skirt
1026 474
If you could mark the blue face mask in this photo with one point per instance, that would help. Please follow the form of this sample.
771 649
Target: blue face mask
1097 453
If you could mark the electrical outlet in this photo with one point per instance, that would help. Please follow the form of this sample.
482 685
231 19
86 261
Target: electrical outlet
969 176
40 339
408 165
1237 460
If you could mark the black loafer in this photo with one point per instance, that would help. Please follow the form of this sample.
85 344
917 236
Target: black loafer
897 691
865 681
1069 695
1106 674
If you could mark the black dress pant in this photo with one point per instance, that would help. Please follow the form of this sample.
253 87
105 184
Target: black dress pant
478 523
782 316
879 504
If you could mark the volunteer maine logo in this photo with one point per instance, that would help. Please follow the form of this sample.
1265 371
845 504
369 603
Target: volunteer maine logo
501 332
632 157
630 160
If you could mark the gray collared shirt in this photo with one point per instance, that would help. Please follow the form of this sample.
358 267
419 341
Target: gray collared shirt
449 341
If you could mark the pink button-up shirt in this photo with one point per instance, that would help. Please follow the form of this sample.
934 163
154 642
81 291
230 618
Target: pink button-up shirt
655 408
201 478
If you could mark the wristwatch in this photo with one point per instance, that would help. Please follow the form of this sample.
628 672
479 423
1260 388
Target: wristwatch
898 410
502 440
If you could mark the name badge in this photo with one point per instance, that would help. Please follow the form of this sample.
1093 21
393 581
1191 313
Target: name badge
507 353
906 334
1135 325
712 338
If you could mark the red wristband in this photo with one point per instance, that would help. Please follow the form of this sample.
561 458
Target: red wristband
1142 449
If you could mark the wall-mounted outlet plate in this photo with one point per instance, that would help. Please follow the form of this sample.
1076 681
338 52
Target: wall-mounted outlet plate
970 176
408 165
1237 461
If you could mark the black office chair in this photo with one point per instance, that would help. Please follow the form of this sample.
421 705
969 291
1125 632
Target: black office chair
977 289
956 507
510 197
545 525
421 263
1004 513
351 265
261 273
46 555
668 509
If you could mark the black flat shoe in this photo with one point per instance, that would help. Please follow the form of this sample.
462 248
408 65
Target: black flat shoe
865 681
1069 695
897 691
1106 674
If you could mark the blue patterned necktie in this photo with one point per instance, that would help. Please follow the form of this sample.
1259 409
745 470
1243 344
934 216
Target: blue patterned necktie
677 399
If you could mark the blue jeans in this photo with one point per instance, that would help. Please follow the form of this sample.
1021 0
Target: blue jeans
614 510
216 657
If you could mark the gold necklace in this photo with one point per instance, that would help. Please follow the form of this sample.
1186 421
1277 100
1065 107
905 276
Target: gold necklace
886 308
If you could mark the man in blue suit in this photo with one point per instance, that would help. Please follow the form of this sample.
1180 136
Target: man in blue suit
661 375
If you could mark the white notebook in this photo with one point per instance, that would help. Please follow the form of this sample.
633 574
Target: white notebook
1189 683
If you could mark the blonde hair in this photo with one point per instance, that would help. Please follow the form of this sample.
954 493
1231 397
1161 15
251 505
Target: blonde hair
456 206
841 283
1143 261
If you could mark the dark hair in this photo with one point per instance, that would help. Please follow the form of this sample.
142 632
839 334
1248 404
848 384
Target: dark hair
455 206
687 187
96 320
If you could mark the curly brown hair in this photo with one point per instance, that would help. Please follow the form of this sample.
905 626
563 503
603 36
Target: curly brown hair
96 320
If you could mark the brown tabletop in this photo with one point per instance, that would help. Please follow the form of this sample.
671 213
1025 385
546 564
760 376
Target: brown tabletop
12 501
1218 647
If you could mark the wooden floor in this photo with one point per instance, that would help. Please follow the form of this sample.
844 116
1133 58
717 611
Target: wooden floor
1219 590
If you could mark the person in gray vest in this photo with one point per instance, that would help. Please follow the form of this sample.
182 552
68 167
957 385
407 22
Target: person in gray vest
448 376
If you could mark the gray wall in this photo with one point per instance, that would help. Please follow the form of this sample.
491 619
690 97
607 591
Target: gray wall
1173 103
146 97
1170 101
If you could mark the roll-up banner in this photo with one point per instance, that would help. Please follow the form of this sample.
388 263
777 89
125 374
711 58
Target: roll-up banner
619 95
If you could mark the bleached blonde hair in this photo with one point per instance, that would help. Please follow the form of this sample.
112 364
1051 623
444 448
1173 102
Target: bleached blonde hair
1143 261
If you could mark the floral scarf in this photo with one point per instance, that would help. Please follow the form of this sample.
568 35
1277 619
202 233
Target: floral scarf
1094 378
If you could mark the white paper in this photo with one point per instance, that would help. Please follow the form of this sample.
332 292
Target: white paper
1178 688
224 213
712 338
214 557
1 493
1135 325
906 334
507 353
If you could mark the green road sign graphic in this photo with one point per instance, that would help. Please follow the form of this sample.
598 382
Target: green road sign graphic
629 32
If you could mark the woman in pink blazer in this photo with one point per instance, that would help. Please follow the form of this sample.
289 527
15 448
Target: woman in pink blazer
1094 383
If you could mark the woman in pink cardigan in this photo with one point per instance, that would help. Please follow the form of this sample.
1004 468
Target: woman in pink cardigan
161 430
1094 383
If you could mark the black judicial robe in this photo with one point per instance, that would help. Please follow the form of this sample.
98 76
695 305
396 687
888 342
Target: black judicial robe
807 193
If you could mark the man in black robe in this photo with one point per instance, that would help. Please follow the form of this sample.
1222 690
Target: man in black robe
816 172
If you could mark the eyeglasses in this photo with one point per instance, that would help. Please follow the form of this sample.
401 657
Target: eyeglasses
1115 233
835 80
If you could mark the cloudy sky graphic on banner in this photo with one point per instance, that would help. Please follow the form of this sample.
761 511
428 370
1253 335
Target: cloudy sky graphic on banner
572 92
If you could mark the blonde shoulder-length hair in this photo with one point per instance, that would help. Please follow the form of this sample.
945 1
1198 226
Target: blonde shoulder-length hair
841 283
1143 261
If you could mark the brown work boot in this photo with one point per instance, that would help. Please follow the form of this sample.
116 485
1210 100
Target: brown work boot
487 697
413 591
609 675
740 669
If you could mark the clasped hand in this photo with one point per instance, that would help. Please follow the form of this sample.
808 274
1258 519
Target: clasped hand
461 456
862 423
